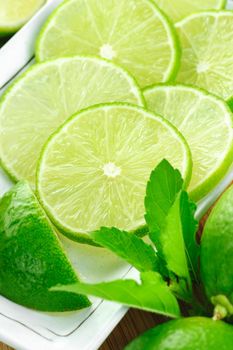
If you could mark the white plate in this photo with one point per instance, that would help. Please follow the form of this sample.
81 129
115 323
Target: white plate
25 329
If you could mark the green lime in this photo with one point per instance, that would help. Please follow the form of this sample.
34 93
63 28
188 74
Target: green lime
207 49
206 122
179 9
133 33
31 258
217 253
94 170
45 96
14 13
194 333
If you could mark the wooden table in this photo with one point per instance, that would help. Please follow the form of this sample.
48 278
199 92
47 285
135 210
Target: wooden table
134 323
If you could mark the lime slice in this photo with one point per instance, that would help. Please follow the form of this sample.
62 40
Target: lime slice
44 97
207 45
179 9
207 124
133 33
14 13
94 169
31 258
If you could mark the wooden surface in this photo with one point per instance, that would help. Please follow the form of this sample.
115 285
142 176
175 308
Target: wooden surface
134 323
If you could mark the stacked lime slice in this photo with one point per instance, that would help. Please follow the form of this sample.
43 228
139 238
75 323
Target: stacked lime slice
178 9
15 13
207 44
207 124
45 96
94 169
133 33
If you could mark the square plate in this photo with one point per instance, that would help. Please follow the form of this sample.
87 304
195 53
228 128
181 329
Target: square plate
25 329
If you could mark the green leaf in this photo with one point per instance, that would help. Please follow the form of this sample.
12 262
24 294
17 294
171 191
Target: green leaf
152 294
190 226
129 247
163 216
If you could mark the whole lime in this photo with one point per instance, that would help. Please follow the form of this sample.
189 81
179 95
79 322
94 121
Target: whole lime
195 333
217 255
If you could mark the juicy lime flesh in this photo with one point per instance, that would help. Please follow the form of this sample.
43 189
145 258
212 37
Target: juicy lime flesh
186 334
45 97
94 171
132 33
217 273
179 9
207 52
31 258
14 13
206 123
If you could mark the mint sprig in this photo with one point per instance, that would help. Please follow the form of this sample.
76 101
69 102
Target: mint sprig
168 217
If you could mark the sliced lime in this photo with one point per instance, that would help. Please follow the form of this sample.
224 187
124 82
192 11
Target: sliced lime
14 13
31 258
44 97
94 169
207 44
133 33
207 124
178 9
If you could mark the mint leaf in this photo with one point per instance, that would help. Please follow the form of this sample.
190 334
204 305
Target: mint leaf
163 216
190 226
129 247
152 294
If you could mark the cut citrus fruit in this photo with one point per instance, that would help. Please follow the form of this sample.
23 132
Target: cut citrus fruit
207 49
133 33
45 96
206 123
31 258
94 170
179 9
14 13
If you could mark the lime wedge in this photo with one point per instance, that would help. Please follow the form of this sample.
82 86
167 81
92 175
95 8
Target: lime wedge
133 33
31 258
45 96
15 13
207 44
178 9
94 170
207 124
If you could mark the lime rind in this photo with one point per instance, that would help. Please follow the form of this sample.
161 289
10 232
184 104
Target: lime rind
141 230
225 163
204 14
12 173
174 65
